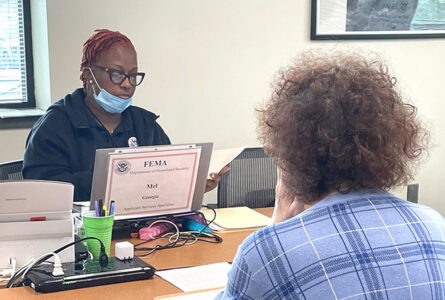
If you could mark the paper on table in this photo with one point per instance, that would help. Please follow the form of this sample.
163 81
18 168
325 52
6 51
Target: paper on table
236 218
220 158
197 278
196 295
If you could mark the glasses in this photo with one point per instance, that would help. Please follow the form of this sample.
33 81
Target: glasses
118 77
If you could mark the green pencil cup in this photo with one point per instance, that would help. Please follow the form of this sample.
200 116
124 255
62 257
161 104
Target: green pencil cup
98 227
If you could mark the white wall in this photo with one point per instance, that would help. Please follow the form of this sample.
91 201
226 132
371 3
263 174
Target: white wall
209 63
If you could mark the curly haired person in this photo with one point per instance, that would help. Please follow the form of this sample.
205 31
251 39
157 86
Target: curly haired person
341 136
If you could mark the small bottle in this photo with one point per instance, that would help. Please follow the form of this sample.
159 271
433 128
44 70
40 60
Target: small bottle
79 230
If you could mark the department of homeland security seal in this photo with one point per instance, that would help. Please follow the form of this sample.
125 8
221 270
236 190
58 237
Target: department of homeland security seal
122 167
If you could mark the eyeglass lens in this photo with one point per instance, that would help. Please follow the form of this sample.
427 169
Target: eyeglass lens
118 77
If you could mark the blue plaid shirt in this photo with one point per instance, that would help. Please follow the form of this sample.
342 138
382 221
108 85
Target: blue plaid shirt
362 245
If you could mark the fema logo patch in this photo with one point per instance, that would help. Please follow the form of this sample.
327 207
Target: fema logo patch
122 167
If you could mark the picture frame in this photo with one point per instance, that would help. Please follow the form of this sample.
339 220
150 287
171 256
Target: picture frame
377 19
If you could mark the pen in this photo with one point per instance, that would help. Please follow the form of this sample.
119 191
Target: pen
112 208
100 207
96 207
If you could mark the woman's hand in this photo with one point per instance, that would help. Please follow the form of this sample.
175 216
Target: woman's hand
214 179
286 205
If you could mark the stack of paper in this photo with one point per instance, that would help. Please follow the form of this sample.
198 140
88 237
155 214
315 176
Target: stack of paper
197 278
235 218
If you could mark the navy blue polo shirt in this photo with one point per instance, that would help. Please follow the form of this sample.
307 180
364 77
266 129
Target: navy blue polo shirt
119 137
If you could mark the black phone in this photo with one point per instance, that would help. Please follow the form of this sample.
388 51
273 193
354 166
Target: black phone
88 273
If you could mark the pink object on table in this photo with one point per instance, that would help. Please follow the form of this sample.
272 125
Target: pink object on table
148 233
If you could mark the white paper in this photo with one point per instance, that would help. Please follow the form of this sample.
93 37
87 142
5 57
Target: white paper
82 203
197 278
222 157
205 295
235 218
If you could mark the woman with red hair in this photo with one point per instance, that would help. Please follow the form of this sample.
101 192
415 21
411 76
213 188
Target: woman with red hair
61 145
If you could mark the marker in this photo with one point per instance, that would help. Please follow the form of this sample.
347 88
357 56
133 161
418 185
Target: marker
104 208
100 208
43 218
96 207
112 208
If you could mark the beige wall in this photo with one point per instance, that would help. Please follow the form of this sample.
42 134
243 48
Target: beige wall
13 144
209 63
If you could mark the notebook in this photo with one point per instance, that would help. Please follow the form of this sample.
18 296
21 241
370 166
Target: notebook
151 181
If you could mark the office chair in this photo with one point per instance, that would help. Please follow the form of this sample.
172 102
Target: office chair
250 182
11 170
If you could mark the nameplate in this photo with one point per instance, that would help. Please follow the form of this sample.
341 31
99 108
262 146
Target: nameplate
150 183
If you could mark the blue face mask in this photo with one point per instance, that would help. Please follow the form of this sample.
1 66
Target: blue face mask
112 104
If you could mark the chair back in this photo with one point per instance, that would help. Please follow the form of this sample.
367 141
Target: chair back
250 182
11 170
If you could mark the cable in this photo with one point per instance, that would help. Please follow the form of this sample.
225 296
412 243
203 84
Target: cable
158 247
179 239
57 270
212 220
163 221
14 266
56 257
103 260
9 272
20 270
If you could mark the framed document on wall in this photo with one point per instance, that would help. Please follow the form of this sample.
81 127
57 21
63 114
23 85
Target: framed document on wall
377 19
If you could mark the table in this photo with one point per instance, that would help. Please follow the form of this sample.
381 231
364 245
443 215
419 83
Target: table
193 255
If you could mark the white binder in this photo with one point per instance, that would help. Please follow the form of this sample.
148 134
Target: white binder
35 218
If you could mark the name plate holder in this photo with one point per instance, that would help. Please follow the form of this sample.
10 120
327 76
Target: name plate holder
152 181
